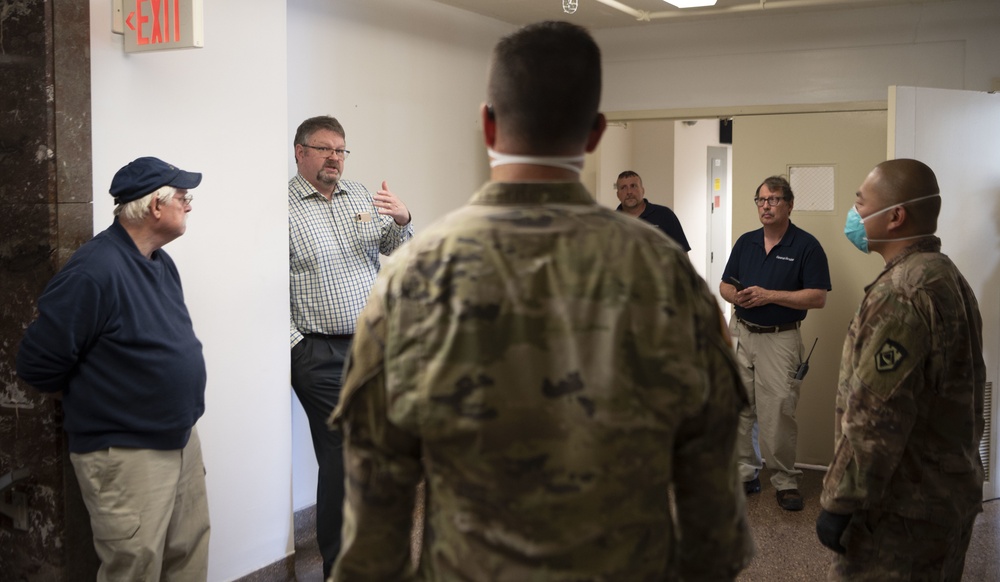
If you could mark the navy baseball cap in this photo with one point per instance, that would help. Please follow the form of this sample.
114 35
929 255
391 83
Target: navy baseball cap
145 175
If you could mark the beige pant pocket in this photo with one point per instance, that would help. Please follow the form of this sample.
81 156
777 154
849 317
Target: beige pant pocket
115 527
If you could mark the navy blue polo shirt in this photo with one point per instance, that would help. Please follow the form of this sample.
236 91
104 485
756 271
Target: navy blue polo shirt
664 219
796 262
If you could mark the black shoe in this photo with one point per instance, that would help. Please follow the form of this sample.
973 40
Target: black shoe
752 486
790 500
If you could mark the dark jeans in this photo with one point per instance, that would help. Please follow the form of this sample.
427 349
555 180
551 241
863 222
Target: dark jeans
317 375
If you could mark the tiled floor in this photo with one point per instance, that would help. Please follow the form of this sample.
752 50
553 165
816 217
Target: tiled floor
308 563
787 548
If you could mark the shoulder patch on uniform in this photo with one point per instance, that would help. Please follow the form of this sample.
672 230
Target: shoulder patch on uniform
889 356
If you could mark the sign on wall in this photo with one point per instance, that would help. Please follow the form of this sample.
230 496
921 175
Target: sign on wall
157 25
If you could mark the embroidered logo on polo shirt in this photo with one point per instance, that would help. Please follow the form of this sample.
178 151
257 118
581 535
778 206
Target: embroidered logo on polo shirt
889 356
781 258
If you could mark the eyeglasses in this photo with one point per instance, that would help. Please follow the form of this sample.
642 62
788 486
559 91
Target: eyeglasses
186 198
329 152
772 201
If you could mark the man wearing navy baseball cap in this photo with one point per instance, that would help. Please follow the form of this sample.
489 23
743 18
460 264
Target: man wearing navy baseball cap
144 175
114 340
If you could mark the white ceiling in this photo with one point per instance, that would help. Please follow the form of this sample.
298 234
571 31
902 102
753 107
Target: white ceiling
595 14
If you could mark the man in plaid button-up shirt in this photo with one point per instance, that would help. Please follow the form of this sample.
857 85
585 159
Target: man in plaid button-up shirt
337 231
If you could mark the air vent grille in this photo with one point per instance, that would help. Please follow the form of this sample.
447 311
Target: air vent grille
984 444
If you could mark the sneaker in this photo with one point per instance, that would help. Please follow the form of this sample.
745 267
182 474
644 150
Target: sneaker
790 500
752 486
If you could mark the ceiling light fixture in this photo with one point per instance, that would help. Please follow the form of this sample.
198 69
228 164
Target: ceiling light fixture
569 6
691 3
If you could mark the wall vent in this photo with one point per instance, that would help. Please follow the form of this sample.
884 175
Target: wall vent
984 444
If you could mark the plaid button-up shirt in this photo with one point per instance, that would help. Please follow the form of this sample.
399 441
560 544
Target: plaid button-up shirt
333 255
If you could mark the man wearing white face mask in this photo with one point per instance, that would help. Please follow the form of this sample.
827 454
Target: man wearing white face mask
905 484
560 377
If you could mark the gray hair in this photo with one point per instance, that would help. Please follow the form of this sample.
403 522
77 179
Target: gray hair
136 210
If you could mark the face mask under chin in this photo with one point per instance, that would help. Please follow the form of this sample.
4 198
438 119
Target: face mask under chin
571 163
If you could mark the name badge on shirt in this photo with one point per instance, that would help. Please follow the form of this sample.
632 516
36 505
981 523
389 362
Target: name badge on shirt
363 217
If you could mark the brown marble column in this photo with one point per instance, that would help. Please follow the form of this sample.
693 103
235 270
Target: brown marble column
45 214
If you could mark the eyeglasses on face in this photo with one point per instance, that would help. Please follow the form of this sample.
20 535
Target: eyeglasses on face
329 152
185 198
771 201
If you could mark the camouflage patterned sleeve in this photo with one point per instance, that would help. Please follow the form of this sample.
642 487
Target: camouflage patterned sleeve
714 536
880 378
382 465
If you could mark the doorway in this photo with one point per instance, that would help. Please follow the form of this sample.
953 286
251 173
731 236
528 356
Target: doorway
849 137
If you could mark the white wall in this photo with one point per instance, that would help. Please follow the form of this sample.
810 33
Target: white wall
691 143
406 80
614 154
812 57
220 110
653 159
646 148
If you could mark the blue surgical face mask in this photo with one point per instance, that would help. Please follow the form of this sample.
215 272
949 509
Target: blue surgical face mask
854 227
854 230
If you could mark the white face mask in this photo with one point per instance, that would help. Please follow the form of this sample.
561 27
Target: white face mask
571 163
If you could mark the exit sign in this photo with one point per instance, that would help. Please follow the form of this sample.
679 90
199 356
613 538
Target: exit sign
157 25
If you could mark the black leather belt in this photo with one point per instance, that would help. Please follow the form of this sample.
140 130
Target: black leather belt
329 337
754 328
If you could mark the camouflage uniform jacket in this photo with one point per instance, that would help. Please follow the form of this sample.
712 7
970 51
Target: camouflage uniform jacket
910 400
559 374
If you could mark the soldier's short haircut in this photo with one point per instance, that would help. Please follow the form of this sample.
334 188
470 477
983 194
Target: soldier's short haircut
544 85
902 180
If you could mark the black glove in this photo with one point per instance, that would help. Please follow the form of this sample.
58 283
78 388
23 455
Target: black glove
829 528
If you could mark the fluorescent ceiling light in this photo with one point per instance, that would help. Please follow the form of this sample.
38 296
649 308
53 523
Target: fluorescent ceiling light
691 3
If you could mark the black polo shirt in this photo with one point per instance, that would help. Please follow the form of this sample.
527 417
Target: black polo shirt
664 219
796 262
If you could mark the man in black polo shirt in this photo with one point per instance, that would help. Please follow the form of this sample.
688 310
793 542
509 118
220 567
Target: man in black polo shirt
631 194
774 275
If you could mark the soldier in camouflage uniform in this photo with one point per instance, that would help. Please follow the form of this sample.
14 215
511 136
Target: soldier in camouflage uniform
558 372
905 484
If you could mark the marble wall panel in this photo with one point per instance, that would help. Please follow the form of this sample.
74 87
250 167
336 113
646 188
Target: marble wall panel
45 214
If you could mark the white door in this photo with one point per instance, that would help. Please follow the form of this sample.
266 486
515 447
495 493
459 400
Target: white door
718 209
957 134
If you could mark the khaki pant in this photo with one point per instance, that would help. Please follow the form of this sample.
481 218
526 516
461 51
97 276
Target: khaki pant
767 368
148 511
